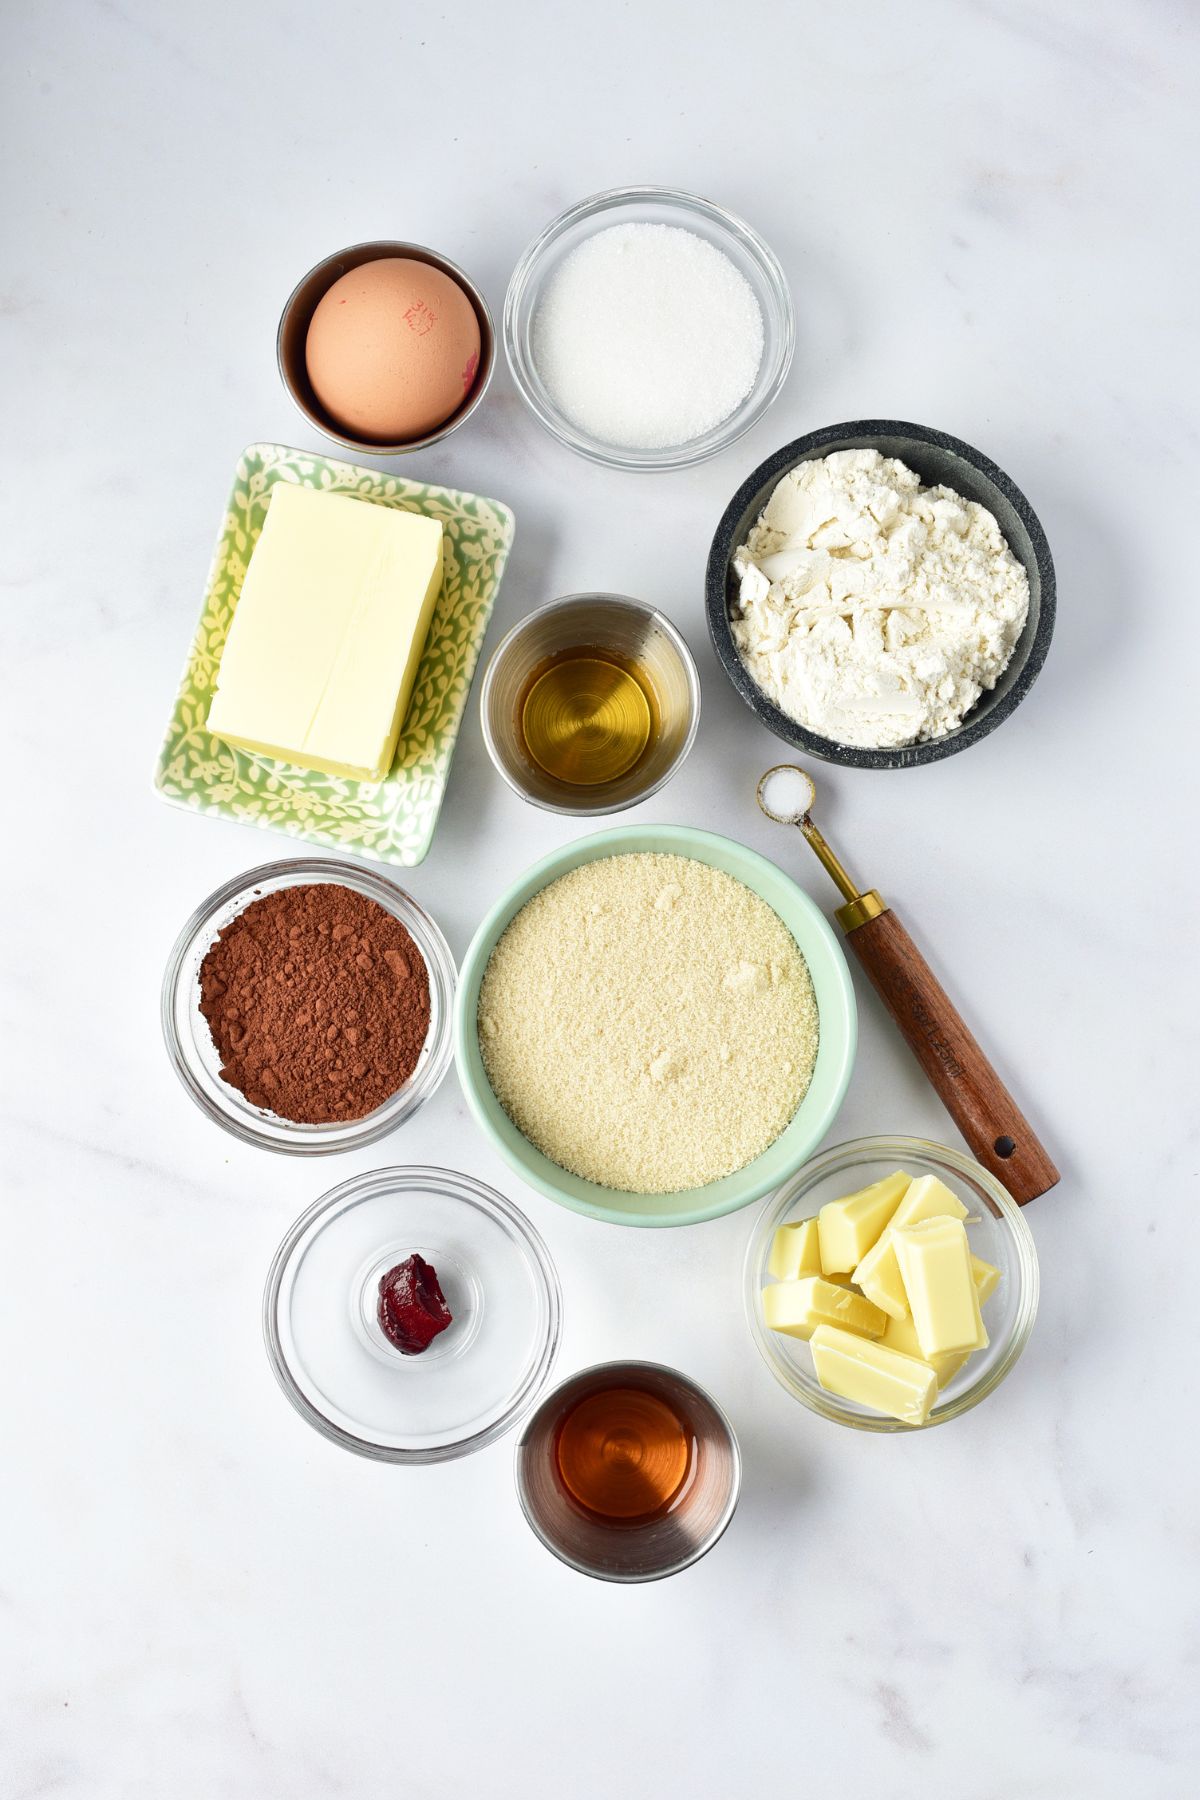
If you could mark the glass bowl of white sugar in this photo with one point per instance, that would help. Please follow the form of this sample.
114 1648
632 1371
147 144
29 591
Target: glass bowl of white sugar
648 329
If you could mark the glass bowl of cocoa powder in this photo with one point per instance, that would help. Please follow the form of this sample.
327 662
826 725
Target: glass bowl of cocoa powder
307 1005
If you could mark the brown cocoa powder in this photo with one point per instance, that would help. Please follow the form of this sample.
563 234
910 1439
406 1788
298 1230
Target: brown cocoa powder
318 1003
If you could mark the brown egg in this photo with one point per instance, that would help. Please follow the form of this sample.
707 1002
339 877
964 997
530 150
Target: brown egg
392 350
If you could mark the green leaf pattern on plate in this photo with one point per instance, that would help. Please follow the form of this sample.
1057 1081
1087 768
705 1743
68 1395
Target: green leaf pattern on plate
392 820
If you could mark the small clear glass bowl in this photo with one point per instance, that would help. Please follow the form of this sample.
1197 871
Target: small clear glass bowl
996 1231
475 1379
189 1042
656 206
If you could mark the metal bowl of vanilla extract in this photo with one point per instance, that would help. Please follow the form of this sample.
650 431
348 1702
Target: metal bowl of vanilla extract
590 704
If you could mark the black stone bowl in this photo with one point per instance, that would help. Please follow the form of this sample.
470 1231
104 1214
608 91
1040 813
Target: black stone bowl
935 457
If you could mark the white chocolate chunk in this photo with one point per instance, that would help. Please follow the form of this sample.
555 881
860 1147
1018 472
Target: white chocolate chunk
935 1264
795 1251
872 1375
798 1307
849 1226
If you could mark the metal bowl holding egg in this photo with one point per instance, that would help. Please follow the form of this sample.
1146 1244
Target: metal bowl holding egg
937 460
397 357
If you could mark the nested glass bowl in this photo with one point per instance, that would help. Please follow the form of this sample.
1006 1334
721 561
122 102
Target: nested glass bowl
996 1231
475 1379
192 1051
656 206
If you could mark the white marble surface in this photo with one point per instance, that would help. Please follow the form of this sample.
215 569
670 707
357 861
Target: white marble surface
983 211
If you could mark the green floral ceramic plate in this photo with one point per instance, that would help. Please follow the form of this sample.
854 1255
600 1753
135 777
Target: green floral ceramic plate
391 820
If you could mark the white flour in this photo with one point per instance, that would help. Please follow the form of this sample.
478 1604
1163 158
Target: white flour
872 610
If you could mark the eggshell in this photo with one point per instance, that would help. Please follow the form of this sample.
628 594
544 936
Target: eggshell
392 350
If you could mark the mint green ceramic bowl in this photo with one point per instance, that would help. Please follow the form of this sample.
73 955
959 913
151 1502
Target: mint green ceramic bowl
835 1055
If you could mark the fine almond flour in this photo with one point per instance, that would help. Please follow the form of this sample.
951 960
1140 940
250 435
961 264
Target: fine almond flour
871 609
648 1023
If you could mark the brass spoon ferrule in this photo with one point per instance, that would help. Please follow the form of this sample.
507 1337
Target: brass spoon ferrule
860 910
859 907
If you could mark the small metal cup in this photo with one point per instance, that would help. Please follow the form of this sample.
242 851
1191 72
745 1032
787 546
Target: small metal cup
292 337
631 1552
602 622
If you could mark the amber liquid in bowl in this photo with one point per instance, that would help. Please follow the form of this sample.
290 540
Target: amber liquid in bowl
623 1454
628 1471
588 716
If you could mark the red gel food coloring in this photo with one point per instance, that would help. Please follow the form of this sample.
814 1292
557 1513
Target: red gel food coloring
412 1306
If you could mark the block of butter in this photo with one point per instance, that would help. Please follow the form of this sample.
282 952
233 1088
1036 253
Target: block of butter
873 1375
935 1263
795 1251
798 1307
321 656
848 1227
878 1274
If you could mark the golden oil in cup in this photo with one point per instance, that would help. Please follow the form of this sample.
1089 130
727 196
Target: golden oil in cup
588 715
590 704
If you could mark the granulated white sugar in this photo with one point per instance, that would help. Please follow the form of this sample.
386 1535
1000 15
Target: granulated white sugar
648 1023
647 336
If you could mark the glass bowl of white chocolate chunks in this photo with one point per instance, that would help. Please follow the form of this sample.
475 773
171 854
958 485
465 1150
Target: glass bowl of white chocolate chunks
891 1284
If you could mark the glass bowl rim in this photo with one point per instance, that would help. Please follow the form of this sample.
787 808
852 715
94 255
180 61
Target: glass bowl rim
443 978
691 674
708 444
538 1259
885 1148
623 1364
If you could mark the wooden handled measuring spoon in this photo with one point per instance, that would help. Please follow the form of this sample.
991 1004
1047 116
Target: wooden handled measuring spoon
999 1134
